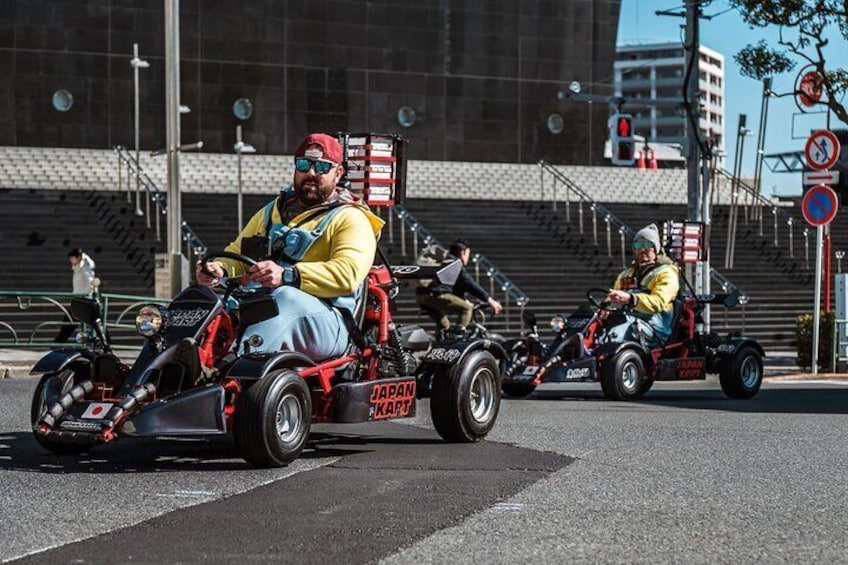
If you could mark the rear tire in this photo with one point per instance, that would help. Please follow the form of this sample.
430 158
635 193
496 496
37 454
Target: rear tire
742 375
465 398
623 376
272 420
51 387
518 390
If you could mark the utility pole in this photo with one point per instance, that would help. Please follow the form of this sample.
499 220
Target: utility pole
697 197
693 110
172 120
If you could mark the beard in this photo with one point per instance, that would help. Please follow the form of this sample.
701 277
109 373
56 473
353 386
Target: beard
312 192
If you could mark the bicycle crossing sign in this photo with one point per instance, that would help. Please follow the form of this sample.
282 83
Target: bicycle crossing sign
819 205
822 150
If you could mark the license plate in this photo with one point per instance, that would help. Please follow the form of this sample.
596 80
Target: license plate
96 410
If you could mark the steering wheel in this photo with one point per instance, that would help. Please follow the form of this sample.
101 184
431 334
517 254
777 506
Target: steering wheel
233 284
600 303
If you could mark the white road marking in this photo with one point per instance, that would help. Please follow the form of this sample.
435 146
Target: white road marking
508 506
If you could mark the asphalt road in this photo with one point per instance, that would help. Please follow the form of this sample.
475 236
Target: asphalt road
683 476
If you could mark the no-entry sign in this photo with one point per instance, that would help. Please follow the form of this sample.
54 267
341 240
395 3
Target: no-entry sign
819 205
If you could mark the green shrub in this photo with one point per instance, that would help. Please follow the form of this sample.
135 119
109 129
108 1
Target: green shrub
804 340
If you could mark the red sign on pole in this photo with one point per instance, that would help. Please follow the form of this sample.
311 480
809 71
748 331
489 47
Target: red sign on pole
822 150
810 89
819 205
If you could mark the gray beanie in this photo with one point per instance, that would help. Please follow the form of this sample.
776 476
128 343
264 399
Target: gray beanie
650 233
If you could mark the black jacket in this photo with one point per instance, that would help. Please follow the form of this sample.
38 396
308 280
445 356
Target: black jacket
463 286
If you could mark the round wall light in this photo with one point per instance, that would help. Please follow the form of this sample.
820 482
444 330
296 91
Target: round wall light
243 109
63 100
406 116
555 124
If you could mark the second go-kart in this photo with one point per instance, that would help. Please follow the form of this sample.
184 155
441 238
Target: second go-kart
582 351
198 374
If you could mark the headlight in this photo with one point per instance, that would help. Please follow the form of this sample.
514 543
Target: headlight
557 323
150 320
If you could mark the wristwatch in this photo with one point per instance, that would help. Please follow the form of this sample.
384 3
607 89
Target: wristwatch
289 276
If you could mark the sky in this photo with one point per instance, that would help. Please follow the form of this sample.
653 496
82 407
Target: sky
727 33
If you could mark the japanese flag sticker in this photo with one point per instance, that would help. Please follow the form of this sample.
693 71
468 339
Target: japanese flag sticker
97 410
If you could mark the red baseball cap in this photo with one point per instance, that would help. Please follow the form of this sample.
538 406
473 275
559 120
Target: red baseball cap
331 149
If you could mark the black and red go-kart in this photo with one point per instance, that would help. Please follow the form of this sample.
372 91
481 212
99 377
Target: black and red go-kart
583 351
188 382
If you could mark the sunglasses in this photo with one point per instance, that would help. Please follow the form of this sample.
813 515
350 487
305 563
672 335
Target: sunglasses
321 167
642 245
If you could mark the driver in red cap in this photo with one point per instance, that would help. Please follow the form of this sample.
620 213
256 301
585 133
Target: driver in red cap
314 245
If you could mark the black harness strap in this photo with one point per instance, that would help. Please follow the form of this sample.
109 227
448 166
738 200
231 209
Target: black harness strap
352 329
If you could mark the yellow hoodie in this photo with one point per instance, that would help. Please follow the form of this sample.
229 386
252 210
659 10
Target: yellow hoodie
659 286
337 262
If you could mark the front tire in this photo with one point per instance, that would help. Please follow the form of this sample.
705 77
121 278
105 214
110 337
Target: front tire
742 375
51 387
465 398
623 376
272 420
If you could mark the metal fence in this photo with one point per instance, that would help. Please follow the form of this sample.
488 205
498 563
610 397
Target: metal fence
38 319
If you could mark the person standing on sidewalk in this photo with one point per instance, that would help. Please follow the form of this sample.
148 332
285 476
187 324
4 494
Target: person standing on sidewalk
82 267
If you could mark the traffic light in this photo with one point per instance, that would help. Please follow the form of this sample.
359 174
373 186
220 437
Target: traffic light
621 138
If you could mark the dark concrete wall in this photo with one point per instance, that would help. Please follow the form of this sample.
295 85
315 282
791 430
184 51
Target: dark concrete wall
482 76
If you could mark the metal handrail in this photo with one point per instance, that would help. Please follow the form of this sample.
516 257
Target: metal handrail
481 262
753 193
571 185
159 198
623 227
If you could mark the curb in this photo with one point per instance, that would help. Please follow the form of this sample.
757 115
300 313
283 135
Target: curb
809 377
14 371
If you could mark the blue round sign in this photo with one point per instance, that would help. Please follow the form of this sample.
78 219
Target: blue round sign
819 205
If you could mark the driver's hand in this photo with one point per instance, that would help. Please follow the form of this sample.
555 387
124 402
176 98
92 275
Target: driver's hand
211 276
603 315
618 297
267 273
496 306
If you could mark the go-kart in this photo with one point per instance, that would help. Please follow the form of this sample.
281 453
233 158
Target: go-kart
584 350
200 374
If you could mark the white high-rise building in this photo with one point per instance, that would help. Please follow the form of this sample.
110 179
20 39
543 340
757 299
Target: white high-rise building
657 71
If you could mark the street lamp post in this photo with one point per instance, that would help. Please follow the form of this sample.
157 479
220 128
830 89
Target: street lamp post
241 147
137 64
172 119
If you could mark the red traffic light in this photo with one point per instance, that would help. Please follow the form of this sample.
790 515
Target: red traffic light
623 126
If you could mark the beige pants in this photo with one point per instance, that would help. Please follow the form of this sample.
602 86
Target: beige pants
442 305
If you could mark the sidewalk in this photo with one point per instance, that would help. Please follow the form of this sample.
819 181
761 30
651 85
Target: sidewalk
17 363
780 366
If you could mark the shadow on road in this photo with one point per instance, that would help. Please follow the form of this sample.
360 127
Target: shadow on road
20 451
796 399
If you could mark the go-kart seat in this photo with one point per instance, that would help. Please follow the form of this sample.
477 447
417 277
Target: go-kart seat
678 332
